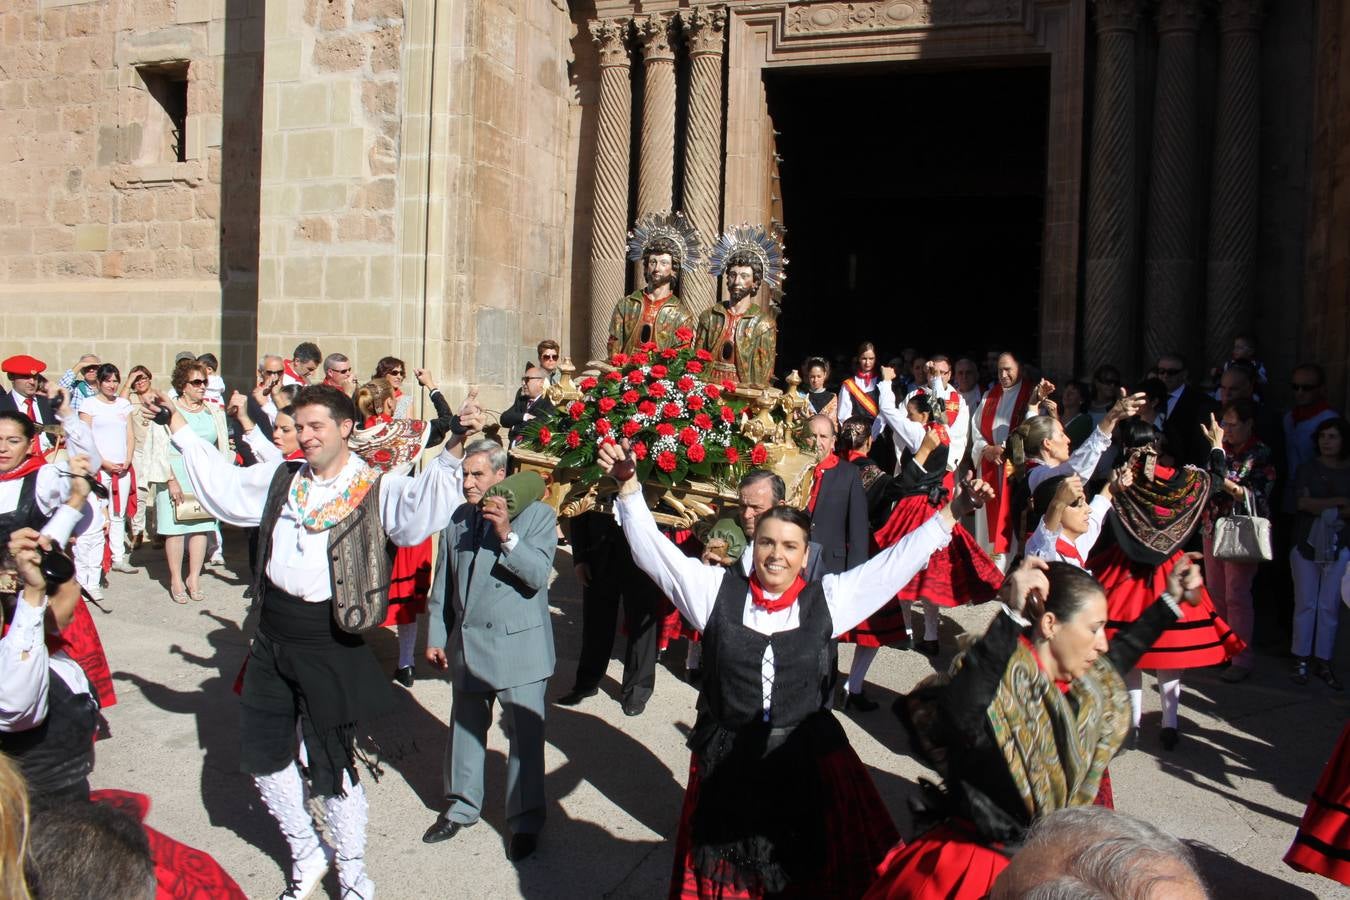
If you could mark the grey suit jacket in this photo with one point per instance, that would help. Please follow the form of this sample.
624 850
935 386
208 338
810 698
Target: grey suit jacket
488 608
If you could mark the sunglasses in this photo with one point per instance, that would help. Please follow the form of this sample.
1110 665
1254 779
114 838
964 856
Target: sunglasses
340 371
1304 387
528 378
398 372
274 371
549 356
1162 371
197 382
87 369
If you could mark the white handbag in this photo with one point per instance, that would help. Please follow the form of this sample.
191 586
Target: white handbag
1241 536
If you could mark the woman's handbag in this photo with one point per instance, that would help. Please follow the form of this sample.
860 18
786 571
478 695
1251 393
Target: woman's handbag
188 510
1242 537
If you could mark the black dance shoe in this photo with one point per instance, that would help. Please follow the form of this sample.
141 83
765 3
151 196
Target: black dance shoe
444 830
929 649
576 695
404 676
1300 673
632 706
859 701
522 846
1322 669
1170 737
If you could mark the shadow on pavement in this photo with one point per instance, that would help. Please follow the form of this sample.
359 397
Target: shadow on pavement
1226 877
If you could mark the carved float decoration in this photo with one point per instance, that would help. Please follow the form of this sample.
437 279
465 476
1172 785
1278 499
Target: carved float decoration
694 439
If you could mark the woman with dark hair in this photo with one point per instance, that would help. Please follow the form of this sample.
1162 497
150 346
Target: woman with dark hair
108 415
1247 483
858 392
820 401
1105 391
1025 723
1071 400
393 370
777 803
855 440
1321 551
1149 524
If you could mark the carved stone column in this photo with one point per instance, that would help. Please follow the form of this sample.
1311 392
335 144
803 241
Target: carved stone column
705 27
656 166
1234 195
609 221
1170 308
1110 308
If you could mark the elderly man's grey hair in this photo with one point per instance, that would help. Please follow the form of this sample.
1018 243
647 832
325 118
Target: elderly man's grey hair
1108 855
262 360
776 485
332 360
494 451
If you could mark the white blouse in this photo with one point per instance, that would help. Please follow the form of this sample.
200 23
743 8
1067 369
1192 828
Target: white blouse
1044 543
908 435
24 667
850 596
1082 463
412 509
52 489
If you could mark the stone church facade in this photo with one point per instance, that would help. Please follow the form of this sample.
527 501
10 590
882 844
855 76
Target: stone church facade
451 181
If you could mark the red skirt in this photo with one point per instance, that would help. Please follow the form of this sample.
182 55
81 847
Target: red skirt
82 644
944 863
1322 844
1199 638
181 872
409 582
860 829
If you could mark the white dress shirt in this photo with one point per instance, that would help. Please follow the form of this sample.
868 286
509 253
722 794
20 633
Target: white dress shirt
850 596
24 667
411 509
52 489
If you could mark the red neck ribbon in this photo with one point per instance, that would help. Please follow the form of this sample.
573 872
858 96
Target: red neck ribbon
829 462
1069 550
784 600
30 464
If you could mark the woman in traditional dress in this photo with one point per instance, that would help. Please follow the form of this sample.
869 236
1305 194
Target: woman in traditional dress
1150 522
109 416
855 440
1024 724
959 573
777 803
859 394
819 401
391 444
138 385
1322 843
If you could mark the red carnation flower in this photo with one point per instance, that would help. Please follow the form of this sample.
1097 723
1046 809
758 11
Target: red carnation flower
665 429
684 334
639 358
693 366
728 415
629 396
647 408
666 461
688 436
733 455
613 376
703 355
635 376
602 427
639 450
696 453
659 371
577 409
728 386
630 428
694 402
703 421
606 404
587 383
670 411
713 391
686 383
618 359
649 345
545 435
669 353
383 455
573 440
759 455
657 390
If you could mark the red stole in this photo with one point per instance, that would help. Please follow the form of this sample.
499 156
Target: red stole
998 514
953 407
860 397
30 464
786 599
829 462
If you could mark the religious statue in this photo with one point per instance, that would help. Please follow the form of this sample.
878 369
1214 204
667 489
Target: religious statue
741 336
667 244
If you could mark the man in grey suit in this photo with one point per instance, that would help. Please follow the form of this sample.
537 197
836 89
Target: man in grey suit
490 627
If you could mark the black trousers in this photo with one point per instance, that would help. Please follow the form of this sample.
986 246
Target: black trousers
616 580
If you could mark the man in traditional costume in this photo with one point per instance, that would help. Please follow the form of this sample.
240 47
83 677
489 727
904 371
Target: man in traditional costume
667 244
741 336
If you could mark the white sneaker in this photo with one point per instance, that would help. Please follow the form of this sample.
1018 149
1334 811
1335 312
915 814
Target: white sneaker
306 875
362 890
95 592
125 567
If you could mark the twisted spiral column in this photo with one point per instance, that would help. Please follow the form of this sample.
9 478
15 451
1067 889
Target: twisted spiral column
1110 308
609 222
656 165
705 30
1231 296
1170 307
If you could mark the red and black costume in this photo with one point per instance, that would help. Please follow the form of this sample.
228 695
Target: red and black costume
1322 844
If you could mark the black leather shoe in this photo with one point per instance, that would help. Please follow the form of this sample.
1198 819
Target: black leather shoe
1170 737
444 830
522 846
859 701
404 676
928 648
576 695
633 706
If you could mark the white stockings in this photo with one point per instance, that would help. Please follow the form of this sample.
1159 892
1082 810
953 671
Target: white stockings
1169 686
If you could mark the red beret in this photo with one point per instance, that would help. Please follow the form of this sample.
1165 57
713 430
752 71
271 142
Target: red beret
23 365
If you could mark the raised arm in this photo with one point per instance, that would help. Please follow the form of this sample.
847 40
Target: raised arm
230 493
908 434
79 437
414 508
689 584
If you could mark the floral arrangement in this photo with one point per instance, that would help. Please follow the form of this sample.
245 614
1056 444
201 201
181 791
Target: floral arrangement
680 426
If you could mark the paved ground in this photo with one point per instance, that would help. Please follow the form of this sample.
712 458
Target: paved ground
1237 784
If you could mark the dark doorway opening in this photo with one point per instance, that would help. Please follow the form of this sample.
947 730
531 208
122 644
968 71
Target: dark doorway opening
914 206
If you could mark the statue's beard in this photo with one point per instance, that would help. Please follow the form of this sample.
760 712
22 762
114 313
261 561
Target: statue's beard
654 282
737 294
